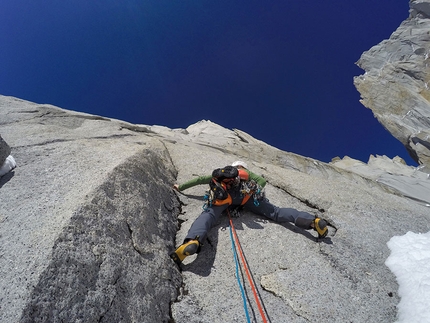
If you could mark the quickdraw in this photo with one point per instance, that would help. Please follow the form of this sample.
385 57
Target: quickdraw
252 188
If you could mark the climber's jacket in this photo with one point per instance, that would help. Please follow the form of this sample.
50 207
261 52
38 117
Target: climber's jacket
205 179
244 175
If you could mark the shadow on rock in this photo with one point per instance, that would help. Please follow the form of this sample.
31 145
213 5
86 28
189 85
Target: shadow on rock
6 178
203 263
306 233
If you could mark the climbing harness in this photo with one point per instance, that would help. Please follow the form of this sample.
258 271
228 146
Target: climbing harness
247 190
237 249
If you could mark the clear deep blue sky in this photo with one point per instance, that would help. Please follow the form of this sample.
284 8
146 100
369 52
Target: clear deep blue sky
281 71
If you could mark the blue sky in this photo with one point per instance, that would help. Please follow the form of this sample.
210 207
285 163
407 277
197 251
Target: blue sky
280 70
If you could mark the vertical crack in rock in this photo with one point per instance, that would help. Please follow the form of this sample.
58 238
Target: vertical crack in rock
132 240
178 221
171 319
94 274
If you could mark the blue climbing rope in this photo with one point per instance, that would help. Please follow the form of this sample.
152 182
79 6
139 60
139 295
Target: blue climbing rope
238 276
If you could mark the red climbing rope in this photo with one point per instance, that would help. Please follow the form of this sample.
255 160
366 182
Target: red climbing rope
248 274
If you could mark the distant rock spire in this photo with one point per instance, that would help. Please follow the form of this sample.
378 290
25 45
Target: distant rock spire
396 84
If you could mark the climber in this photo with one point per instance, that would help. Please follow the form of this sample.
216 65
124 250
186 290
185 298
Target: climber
241 188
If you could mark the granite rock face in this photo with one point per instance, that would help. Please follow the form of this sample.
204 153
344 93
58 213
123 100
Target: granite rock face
396 83
409 181
89 217
86 220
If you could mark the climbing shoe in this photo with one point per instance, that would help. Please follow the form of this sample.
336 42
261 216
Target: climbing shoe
320 226
186 249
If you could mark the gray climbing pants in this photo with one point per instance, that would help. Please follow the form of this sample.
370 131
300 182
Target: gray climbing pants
210 216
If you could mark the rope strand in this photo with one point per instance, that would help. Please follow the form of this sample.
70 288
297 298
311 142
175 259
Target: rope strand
238 277
250 280
258 292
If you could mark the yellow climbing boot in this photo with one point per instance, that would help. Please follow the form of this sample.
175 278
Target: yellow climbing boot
320 226
186 249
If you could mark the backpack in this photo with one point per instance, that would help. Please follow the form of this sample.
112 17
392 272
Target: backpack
218 187
227 172
219 176
217 193
217 190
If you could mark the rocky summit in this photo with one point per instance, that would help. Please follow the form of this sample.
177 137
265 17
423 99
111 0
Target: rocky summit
89 217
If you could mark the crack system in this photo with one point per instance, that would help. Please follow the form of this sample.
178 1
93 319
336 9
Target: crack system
132 241
311 205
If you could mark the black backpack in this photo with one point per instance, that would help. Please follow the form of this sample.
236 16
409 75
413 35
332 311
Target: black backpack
218 176
217 190
226 172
